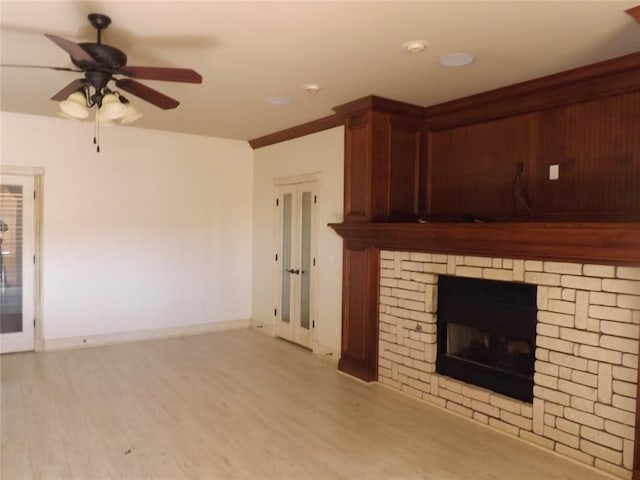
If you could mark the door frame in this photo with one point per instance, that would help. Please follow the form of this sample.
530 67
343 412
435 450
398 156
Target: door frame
312 178
38 181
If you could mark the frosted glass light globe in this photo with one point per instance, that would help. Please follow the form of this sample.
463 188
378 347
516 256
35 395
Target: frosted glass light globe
75 106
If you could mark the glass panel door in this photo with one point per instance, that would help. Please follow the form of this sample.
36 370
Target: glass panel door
286 258
16 263
295 267
305 261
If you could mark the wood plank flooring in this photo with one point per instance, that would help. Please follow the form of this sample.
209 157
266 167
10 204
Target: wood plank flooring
237 405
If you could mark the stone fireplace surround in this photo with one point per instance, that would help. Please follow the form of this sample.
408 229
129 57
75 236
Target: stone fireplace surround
586 356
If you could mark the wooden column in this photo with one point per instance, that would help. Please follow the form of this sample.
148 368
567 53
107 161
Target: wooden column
360 311
382 162
382 159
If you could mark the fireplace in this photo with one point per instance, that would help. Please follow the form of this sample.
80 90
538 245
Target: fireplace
486 334
587 324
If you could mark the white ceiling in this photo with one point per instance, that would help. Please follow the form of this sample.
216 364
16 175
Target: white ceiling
248 51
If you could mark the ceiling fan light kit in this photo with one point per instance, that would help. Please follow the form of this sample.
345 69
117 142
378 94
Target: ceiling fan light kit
102 64
75 106
68 117
132 114
112 108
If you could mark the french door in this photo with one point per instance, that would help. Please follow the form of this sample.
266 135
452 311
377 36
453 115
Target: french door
17 269
295 261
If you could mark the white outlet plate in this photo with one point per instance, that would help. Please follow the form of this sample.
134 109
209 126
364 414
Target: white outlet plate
554 172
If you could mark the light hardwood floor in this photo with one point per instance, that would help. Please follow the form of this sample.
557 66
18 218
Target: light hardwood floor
236 404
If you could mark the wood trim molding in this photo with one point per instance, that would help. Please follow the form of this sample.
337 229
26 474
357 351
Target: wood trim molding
610 77
600 243
617 75
298 131
634 12
378 104
14 170
293 179
357 368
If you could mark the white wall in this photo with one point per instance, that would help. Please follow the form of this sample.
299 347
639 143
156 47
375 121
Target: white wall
153 232
320 152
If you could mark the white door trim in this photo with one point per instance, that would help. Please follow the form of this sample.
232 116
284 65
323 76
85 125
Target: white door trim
313 181
38 182
291 180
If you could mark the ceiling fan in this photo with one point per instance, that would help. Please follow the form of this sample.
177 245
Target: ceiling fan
103 63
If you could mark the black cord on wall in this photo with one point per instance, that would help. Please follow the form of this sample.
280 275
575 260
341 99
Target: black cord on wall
519 194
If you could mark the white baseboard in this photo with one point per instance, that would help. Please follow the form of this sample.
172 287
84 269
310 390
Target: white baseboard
263 327
317 348
326 352
140 335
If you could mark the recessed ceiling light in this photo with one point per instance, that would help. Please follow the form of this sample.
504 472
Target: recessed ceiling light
280 100
415 46
460 59
312 87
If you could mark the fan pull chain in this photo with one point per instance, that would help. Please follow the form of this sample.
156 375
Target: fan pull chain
96 132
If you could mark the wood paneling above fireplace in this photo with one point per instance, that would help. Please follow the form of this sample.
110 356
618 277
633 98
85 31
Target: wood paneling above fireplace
586 121
596 145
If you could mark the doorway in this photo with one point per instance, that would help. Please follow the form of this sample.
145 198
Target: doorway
18 222
295 259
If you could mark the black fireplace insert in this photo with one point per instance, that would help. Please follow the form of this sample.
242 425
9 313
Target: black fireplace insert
487 334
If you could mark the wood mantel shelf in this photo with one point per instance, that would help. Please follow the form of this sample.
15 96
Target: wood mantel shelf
600 243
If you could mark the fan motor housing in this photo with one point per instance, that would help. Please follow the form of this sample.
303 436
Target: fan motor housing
108 57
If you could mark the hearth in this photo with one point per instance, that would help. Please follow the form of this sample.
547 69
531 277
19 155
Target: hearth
486 334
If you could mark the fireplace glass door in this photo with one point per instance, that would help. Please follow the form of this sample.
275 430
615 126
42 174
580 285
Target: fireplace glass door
492 349
486 334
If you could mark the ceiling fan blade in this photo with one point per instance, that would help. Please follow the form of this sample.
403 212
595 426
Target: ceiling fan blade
185 75
62 69
72 48
635 13
68 90
148 94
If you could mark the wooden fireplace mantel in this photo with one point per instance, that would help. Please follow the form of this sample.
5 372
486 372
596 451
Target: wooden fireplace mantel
598 243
